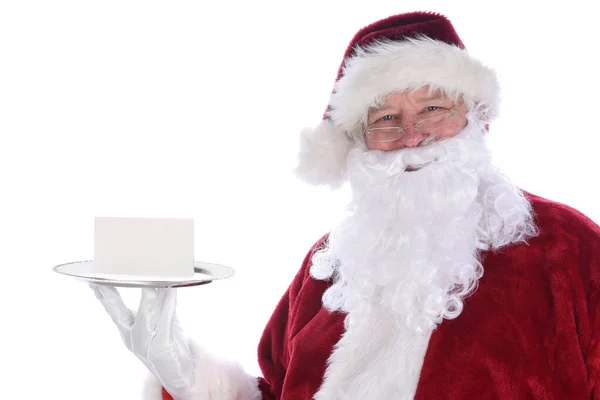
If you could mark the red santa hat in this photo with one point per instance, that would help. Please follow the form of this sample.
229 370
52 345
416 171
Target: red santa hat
403 52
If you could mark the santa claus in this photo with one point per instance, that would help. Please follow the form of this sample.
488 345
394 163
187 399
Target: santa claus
444 280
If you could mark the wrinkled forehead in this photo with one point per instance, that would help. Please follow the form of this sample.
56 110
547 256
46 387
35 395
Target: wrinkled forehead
414 96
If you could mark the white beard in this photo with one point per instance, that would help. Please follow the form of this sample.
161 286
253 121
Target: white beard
409 251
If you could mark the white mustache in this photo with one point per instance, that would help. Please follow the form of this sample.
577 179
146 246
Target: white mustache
429 151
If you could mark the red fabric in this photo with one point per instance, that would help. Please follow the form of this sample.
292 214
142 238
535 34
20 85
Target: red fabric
398 27
530 330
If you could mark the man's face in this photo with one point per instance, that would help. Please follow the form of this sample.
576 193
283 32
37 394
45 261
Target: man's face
422 116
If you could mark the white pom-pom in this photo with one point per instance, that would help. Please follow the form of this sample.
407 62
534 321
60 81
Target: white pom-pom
323 153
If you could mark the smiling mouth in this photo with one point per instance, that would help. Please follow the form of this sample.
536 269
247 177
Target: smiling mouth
429 139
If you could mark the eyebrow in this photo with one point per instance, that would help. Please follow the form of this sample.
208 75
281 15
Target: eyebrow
432 97
382 109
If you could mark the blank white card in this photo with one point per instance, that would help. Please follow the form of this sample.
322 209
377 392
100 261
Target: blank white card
162 247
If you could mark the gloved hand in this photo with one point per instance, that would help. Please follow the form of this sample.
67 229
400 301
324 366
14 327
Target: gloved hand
154 336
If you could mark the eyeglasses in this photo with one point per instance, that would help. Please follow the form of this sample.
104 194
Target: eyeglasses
436 121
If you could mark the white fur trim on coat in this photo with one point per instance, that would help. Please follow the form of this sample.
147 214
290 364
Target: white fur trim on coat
375 359
376 71
216 379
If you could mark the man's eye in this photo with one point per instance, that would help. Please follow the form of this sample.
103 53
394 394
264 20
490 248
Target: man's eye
386 118
432 108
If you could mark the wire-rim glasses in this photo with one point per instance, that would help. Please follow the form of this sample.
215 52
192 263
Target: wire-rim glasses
436 121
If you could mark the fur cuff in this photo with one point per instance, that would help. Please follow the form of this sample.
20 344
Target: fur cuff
323 153
216 379
152 389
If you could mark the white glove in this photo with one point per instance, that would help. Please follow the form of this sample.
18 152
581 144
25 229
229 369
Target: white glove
154 336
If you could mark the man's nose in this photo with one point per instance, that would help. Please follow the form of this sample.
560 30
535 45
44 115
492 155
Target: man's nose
412 137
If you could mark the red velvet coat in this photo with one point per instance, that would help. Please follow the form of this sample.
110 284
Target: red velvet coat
531 330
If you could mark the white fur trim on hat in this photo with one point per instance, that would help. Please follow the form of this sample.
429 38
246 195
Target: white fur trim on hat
388 66
323 153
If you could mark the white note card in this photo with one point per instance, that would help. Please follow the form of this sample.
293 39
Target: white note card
161 247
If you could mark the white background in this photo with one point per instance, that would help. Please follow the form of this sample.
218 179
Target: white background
193 109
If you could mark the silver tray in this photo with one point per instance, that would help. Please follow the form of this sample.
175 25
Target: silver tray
204 273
